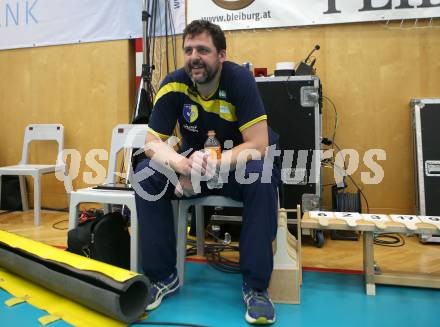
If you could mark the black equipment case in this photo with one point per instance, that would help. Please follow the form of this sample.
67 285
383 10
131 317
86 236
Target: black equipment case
426 137
293 105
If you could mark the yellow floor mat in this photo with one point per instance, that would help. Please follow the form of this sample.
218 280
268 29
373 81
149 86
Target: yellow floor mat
57 306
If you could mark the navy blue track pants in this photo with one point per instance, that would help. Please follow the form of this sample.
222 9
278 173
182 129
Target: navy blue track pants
156 224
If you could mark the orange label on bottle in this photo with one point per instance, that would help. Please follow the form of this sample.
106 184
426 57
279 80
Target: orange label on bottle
214 152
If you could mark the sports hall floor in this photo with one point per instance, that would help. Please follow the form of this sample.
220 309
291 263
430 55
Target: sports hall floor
332 294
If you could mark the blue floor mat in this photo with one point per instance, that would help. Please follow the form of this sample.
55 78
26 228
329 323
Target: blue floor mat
22 314
213 298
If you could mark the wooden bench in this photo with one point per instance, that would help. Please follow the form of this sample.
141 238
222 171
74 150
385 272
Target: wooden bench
370 224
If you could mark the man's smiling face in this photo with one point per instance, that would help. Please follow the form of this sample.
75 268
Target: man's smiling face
202 60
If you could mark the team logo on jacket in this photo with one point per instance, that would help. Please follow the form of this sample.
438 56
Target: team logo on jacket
190 113
222 94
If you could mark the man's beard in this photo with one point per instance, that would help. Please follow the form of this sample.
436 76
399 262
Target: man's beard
208 74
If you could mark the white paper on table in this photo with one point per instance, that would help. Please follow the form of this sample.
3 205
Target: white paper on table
433 220
409 221
322 216
349 217
378 219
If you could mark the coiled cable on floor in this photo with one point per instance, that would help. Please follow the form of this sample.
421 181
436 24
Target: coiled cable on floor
388 239
214 257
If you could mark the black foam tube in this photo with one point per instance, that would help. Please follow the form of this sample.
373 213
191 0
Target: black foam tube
124 301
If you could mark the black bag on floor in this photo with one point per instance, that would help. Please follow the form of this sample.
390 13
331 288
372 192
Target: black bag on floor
11 197
104 238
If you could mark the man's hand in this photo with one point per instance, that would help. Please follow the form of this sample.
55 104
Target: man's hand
184 187
183 166
202 164
161 152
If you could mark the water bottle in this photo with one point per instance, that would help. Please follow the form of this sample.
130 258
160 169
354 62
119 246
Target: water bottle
213 147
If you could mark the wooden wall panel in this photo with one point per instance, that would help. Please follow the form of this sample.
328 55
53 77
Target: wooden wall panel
369 70
86 87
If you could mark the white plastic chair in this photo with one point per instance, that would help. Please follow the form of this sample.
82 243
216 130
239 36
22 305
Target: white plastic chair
181 208
181 225
36 132
124 136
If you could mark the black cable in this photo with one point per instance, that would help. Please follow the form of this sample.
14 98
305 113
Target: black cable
55 209
55 224
357 187
166 36
166 324
150 46
389 239
173 33
153 30
361 192
149 29
214 257
213 248
218 262
191 251
336 118
339 149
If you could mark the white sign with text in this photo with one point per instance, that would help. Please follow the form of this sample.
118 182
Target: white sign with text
30 23
248 14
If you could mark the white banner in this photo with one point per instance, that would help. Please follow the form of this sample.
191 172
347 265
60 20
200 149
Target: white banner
28 23
246 14
168 12
178 15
